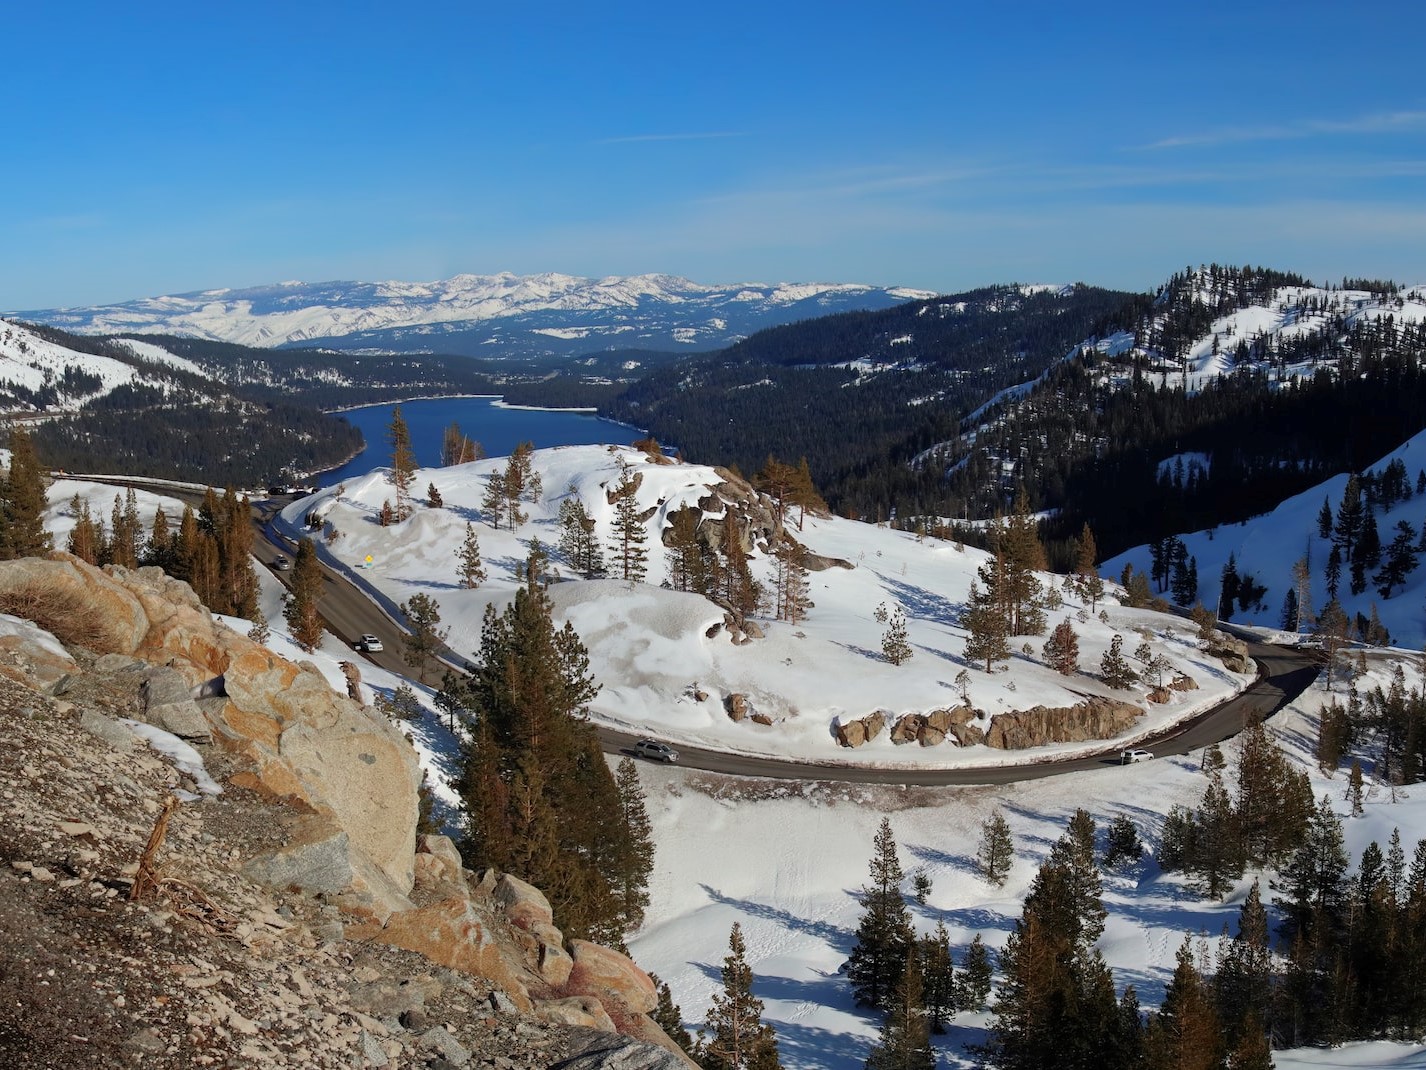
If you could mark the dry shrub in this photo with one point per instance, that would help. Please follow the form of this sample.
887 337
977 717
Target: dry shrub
59 609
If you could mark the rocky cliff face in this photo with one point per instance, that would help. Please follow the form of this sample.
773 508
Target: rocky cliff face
294 919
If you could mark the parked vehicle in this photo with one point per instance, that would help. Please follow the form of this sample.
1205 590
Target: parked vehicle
368 644
1129 757
655 751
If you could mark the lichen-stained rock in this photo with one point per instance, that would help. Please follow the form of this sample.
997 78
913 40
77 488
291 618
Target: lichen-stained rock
1184 683
304 740
598 971
1096 718
585 1011
319 859
523 905
453 932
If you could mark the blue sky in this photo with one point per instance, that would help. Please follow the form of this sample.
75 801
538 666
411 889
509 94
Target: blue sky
161 148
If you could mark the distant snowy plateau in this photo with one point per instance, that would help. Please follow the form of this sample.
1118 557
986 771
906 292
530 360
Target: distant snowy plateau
480 315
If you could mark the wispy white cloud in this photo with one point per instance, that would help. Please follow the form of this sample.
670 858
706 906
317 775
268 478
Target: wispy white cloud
1378 123
708 135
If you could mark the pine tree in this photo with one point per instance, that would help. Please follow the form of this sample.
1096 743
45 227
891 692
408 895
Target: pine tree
988 630
433 496
1186 1031
1332 632
578 542
905 1040
777 480
1113 666
540 800
736 1038
458 448
804 494
996 852
637 862
304 622
1062 649
494 503
1324 521
691 562
1243 983
425 636
976 976
629 536
938 977
472 569
1316 876
159 550
1056 1005
895 645
1122 842
792 589
403 462
84 537
1086 554
22 502
884 935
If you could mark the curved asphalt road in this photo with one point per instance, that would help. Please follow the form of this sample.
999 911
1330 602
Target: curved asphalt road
1284 673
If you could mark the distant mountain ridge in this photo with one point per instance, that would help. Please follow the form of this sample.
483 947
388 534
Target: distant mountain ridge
521 316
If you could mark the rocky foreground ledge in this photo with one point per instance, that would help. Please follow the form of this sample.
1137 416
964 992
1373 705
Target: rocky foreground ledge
295 919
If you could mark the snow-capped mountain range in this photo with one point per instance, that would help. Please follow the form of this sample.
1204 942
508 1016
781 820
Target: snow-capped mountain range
485 315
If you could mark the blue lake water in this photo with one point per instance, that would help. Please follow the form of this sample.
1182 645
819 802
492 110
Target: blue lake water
499 430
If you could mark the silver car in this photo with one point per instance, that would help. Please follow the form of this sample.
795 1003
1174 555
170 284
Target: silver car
655 751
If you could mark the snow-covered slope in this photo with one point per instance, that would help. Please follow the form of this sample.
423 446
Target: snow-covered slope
651 649
479 313
1267 546
35 372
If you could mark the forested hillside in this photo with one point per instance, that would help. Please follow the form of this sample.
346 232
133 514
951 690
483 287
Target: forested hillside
1230 390
861 394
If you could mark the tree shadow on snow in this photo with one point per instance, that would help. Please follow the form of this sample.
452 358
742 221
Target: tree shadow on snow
832 934
923 604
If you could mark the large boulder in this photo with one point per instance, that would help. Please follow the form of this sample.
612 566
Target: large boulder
907 729
168 704
1232 652
320 859
76 602
303 740
599 971
1096 718
453 932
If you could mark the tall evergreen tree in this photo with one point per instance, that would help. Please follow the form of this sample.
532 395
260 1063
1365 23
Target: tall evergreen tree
1056 1004
578 543
884 935
905 1040
939 981
540 799
458 447
627 546
425 636
637 863
472 569
736 1037
1061 649
997 850
22 501
988 630
1186 1032
403 462
304 621
84 537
